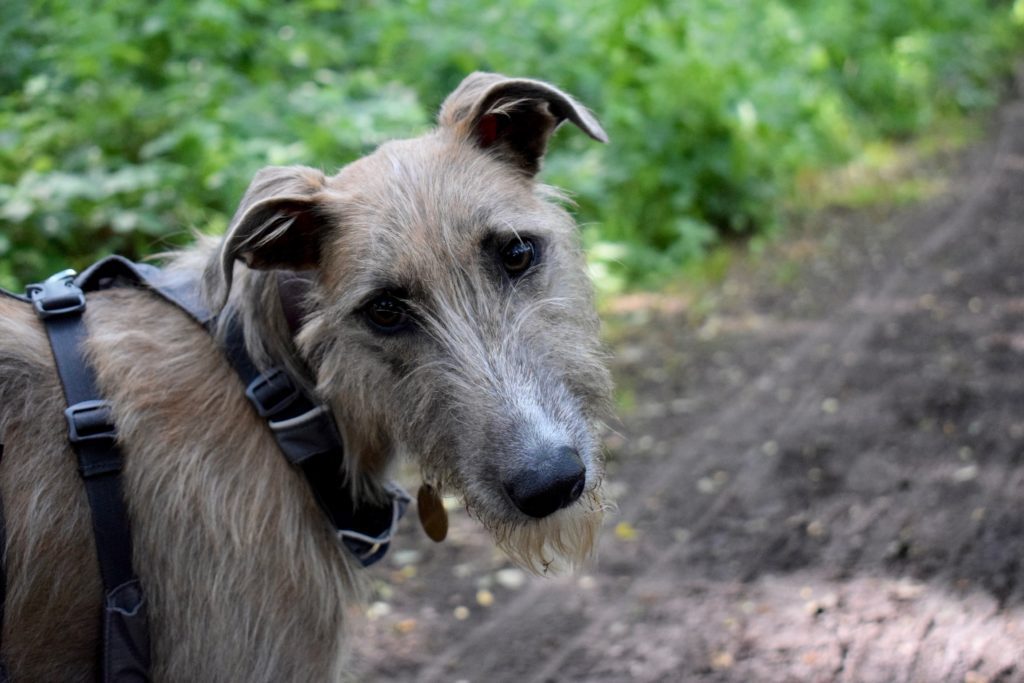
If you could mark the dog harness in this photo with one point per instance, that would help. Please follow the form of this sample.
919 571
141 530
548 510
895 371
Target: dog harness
304 430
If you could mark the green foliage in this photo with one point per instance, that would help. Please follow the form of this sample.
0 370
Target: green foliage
125 125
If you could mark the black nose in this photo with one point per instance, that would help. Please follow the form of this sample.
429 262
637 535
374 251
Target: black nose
553 480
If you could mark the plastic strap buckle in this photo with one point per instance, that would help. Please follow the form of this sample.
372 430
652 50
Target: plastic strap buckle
306 435
369 549
57 295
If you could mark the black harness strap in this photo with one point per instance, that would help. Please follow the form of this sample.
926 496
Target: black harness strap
59 302
116 271
303 429
307 435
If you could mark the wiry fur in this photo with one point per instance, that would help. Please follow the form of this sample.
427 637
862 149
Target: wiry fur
244 576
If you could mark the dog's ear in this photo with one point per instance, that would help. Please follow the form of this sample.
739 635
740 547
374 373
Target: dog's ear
513 116
277 225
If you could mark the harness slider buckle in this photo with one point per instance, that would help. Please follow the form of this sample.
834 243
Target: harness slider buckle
90 420
272 392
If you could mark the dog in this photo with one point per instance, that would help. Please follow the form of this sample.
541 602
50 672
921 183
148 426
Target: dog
448 319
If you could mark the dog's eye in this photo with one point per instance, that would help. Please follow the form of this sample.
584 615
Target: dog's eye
518 255
386 313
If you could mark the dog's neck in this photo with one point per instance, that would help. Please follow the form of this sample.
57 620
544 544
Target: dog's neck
270 305
293 290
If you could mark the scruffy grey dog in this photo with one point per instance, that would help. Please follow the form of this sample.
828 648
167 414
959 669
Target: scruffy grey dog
450 320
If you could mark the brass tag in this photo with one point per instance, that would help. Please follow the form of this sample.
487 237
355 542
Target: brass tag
433 516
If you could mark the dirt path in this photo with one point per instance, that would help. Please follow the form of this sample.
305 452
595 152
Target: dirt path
822 481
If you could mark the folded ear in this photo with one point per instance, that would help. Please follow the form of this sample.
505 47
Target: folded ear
513 116
277 225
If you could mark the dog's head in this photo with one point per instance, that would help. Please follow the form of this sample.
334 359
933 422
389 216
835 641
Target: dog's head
451 316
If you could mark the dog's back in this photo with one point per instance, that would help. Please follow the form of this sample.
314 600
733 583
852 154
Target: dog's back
190 483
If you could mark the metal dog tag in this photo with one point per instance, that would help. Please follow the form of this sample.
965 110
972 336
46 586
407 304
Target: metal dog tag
433 516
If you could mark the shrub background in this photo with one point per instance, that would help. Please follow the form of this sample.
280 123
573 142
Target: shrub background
125 125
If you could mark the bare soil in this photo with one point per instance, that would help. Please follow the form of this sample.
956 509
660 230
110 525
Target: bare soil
821 479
